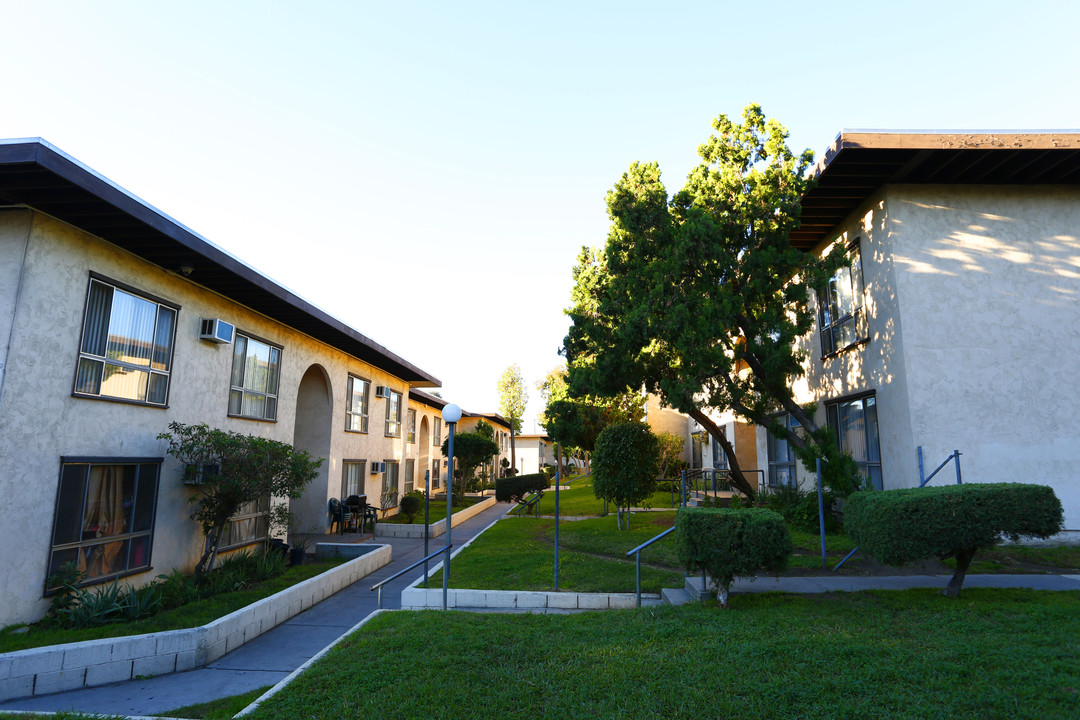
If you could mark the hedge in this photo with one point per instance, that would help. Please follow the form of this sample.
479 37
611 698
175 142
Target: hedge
728 544
911 524
514 489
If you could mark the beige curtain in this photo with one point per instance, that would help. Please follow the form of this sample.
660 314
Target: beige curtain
104 517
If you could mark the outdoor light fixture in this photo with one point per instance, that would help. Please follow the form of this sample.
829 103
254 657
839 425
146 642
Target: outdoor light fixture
450 414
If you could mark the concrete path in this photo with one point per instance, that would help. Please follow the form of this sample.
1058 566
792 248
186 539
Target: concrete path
272 656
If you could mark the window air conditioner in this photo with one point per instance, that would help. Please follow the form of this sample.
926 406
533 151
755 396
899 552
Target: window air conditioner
378 467
381 391
194 474
216 331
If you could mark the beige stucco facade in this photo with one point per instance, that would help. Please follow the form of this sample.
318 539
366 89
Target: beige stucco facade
45 270
533 453
971 295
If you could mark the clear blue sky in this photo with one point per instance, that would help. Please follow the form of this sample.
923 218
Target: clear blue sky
428 171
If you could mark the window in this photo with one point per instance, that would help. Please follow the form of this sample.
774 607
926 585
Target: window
127 346
248 526
781 454
411 437
254 385
104 518
697 440
393 414
719 457
436 477
841 315
856 426
436 434
352 479
356 404
410 472
390 486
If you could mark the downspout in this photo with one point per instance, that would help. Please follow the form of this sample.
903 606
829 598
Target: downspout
15 307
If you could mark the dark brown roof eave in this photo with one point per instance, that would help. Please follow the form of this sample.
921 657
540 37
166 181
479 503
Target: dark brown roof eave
857 164
35 174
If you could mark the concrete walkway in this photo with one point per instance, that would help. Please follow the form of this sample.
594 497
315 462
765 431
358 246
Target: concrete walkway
272 656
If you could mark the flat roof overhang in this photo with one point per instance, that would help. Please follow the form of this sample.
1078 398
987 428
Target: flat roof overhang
35 174
858 163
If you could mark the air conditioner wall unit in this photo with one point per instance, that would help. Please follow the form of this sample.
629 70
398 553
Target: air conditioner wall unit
216 330
381 391
378 467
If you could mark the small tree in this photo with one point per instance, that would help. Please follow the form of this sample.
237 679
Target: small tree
727 544
671 448
512 401
233 470
910 524
470 450
625 463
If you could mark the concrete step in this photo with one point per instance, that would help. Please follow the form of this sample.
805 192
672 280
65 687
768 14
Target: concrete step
674 596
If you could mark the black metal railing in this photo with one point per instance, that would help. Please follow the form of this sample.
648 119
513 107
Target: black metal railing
637 552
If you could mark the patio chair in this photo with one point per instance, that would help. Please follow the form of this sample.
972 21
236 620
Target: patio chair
365 513
340 514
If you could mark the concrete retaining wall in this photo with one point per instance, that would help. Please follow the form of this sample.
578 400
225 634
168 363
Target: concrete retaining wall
437 528
415 598
39 671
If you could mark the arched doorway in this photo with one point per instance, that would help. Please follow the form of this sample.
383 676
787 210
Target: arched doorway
424 466
311 432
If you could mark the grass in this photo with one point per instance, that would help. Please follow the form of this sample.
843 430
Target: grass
191 615
220 709
579 500
518 554
875 655
436 512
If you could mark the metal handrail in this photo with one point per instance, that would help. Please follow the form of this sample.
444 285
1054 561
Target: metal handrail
637 551
524 505
395 576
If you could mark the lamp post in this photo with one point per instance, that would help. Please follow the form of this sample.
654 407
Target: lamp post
450 414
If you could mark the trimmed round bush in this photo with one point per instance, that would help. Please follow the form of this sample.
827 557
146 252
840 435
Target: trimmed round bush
912 524
727 544
409 505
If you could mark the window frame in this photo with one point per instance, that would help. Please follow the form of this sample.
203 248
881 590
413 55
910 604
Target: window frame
436 432
364 413
260 514
393 422
139 463
267 396
345 464
387 487
832 419
854 317
776 464
410 425
83 354
408 483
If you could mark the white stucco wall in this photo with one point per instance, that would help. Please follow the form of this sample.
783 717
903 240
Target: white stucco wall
972 297
40 420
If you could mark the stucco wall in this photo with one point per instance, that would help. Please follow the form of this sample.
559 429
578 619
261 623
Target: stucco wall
972 301
40 421
664 419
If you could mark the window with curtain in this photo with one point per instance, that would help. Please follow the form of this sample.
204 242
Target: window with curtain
436 474
389 498
856 426
127 346
436 433
410 475
356 404
841 316
719 457
411 426
393 415
352 481
104 518
254 385
781 454
248 526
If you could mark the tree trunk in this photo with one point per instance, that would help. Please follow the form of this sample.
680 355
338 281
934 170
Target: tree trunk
722 596
210 554
963 560
513 449
737 477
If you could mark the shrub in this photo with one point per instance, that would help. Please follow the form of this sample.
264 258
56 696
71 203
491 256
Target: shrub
626 460
138 603
514 489
728 544
800 508
901 526
409 506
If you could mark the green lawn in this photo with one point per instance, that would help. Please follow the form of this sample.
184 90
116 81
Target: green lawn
191 615
580 500
220 709
517 554
875 655
436 512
